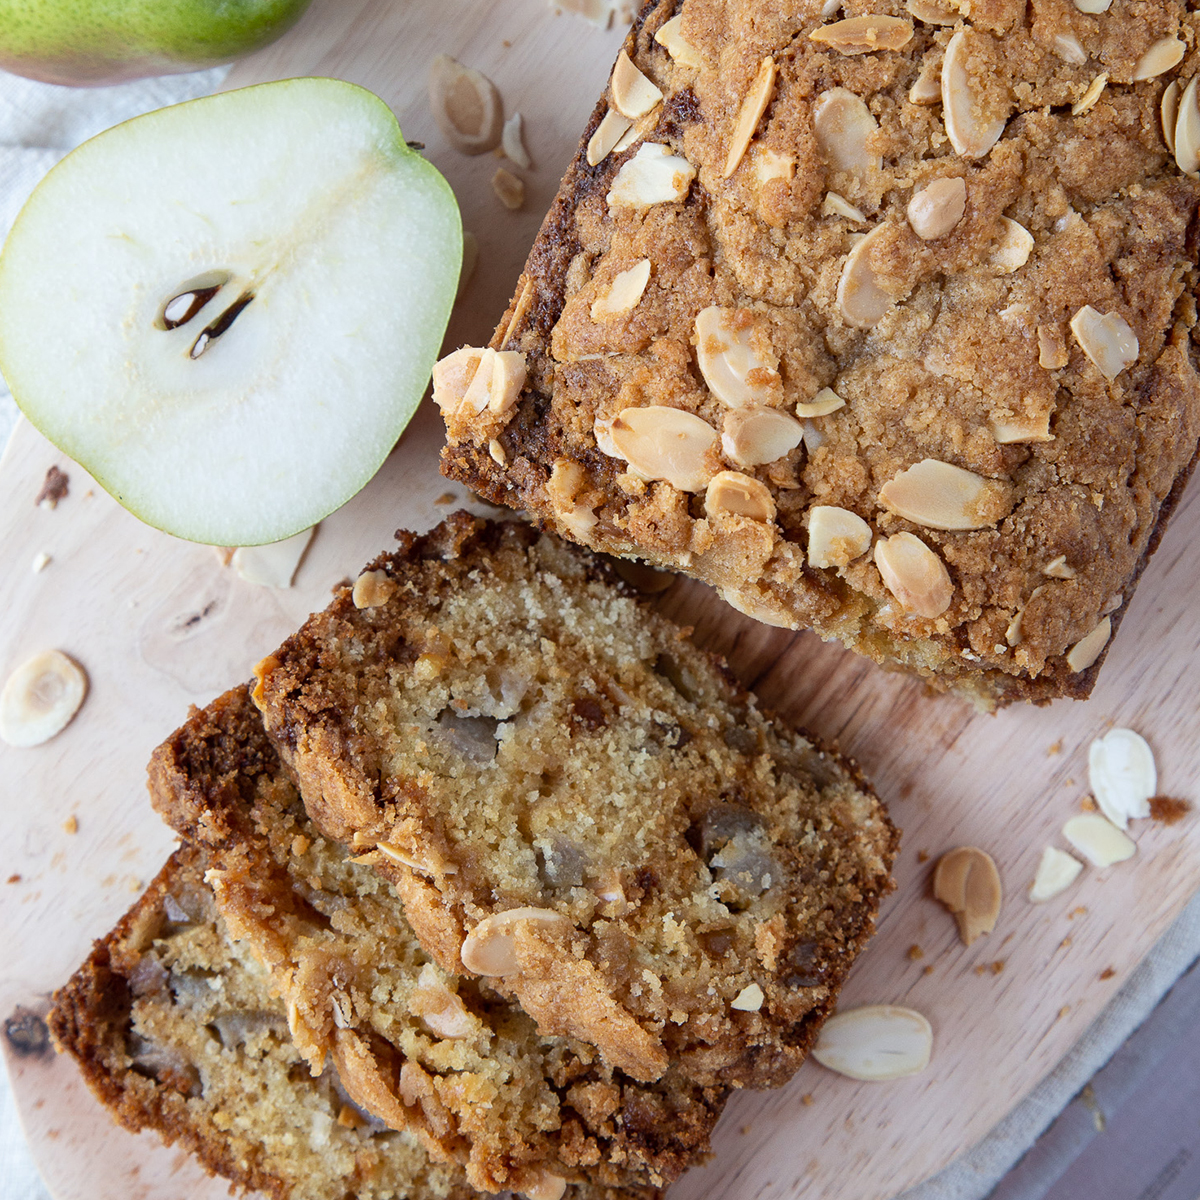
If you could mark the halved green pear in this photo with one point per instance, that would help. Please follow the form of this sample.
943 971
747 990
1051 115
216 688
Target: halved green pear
228 310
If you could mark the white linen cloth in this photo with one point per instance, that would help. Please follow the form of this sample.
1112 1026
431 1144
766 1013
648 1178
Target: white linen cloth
39 123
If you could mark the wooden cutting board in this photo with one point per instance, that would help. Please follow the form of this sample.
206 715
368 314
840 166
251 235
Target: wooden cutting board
160 624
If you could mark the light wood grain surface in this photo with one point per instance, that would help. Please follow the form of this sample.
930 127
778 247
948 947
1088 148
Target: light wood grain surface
160 624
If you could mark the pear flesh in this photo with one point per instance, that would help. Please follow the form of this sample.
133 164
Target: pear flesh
228 310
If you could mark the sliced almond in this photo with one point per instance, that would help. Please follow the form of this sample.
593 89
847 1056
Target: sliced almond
749 999
1052 347
439 1008
633 94
927 88
914 574
1093 7
40 698
1058 568
1106 339
932 13
875 1043
1098 840
1069 48
1014 247
861 300
843 124
1056 871
670 37
666 443
512 141
937 208
373 589
1187 130
1014 634
509 189
835 205
490 948
822 404
1122 775
1023 428
730 492
466 106
836 536
966 881
495 383
938 495
452 376
608 133
623 293
541 1184
1087 649
750 113
637 130
652 176
273 565
864 35
770 164
1161 57
972 130
567 480
738 366
754 435
1169 111
1090 96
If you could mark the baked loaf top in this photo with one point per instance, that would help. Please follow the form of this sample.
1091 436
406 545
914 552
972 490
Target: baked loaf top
440 1056
575 802
879 318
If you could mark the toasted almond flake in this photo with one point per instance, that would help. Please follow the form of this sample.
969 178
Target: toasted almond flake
652 176
670 37
273 565
860 299
1087 649
466 106
835 205
966 881
1122 775
41 560
439 1008
1052 347
813 437
623 293
914 574
1093 7
632 93
637 130
1014 634
509 189
1187 130
512 141
1014 247
875 1043
927 89
754 435
496 453
1098 840
542 1185
843 124
1056 871
938 495
490 948
1090 96
1162 56
750 113
937 208
732 493
1058 568
453 375
1010 430
608 133
836 536
497 383
749 999
666 443
972 132
1068 47
865 34
770 164
40 698
822 404
738 366
932 13
1169 111
567 480
1106 339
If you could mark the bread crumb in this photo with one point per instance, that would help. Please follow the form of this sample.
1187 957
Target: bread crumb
807 1100
54 488
928 970
446 498
998 966
981 969
1064 944
746 1129
1087 804
71 824
915 952
1168 810
1062 1012
1077 912
1107 973
13 878
922 856
1054 748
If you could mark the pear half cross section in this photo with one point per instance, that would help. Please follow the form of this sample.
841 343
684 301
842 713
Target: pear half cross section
227 311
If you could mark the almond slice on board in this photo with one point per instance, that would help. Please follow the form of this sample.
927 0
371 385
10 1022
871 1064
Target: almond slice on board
1056 871
1099 840
1122 775
967 883
875 1043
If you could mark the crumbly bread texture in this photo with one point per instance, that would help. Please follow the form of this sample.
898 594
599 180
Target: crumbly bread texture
575 802
880 320
443 1057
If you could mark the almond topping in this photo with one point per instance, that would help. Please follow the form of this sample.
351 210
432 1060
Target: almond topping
914 574
1187 130
735 357
863 35
1098 840
1052 347
512 141
835 205
836 536
1090 96
1162 56
843 123
860 299
941 496
608 133
545 1185
652 176
937 208
749 999
1087 649
670 37
466 106
770 164
470 380
754 435
874 1043
822 404
633 94
1067 46
1056 871
967 883
1058 568
753 107
1107 340
1169 111
623 293
509 189
1021 428
739 495
567 480
928 86
1122 775
439 1008
972 130
666 443
373 589
40 698
1093 7
932 13
491 948
1014 247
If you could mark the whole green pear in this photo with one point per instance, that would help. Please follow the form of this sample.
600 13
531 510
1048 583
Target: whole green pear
89 42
